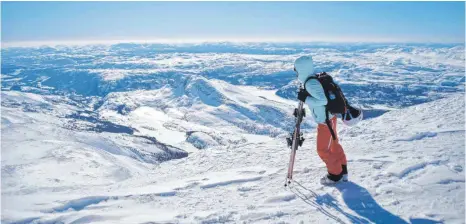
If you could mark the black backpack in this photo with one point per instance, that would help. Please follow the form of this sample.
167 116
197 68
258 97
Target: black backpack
336 101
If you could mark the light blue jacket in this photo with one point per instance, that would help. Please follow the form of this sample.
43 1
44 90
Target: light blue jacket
305 68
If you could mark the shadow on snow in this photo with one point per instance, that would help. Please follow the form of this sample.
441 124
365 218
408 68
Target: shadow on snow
357 199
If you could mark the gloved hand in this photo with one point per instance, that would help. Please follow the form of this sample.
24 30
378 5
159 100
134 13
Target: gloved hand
302 95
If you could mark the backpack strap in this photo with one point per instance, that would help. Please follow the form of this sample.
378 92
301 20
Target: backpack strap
327 121
316 76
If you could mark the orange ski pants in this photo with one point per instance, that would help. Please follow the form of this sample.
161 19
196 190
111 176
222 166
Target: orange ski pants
329 150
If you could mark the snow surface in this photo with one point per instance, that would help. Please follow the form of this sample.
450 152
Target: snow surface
397 176
156 133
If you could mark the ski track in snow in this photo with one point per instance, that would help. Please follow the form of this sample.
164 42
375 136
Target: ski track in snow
228 182
419 136
416 167
79 204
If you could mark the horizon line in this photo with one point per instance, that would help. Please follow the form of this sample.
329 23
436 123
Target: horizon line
7 44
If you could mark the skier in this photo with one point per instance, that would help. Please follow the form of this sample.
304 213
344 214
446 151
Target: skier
328 147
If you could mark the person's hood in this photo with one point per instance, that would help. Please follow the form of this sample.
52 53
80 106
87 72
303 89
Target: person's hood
305 67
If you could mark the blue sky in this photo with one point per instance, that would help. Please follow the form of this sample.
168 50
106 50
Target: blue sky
441 22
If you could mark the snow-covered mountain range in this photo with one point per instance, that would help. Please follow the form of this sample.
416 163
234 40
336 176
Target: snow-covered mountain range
141 133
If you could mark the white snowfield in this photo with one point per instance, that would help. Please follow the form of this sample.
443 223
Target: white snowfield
406 166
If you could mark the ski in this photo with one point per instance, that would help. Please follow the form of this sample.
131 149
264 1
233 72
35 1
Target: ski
295 140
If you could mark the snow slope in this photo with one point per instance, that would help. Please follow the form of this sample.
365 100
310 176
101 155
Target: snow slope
212 108
405 166
136 133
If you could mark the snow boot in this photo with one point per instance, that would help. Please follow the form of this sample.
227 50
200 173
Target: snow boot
330 179
345 173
